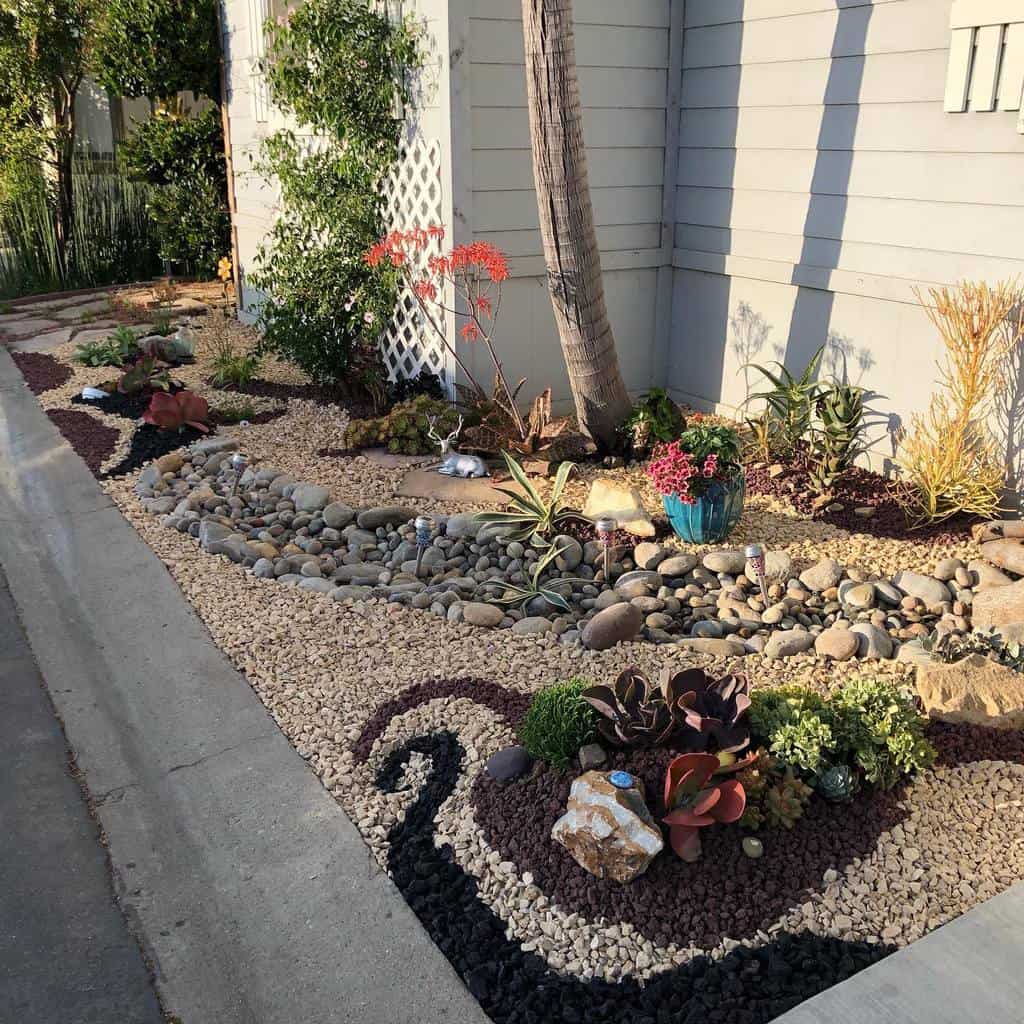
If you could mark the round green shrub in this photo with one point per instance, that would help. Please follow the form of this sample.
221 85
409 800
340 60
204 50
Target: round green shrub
557 723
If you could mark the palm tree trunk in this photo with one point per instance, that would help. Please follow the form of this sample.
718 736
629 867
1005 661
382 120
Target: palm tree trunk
567 220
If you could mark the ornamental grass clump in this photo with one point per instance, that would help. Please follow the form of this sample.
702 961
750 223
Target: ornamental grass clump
557 723
951 460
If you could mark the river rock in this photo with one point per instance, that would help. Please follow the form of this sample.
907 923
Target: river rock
998 606
873 643
838 644
641 576
612 626
647 555
725 560
608 497
1005 554
609 831
975 691
508 764
211 533
476 613
946 569
716 648
310 497
571 553
385 515
826 574
532 625
678 565
859 596
987 575
337 515
924 588
462 525
787 642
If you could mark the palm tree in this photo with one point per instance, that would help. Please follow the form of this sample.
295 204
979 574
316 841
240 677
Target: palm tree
567 220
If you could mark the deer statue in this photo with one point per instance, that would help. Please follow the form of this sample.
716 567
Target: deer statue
452 463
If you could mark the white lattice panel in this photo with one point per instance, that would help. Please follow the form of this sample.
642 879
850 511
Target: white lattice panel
413 200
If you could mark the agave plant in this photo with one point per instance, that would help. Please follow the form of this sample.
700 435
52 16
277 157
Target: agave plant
635 713
521 593
531 518
790 399
175 412
710 714
693 800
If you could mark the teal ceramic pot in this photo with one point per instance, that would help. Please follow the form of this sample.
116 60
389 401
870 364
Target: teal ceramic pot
714 514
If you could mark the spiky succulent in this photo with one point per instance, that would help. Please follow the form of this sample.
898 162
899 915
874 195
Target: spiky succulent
711 714
634 711
838 783
554 591
785 801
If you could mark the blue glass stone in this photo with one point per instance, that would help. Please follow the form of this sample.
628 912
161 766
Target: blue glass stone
621 780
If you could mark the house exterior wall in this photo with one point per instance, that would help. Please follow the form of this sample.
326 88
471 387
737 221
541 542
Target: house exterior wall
767 175
819 182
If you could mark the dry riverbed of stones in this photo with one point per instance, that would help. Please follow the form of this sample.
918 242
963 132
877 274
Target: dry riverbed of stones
292 531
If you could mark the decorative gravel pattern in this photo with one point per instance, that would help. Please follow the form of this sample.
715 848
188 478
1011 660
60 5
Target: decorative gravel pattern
42 372
92 440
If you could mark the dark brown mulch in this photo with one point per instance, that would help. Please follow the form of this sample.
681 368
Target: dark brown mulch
857 488
725 894
41 371
507 703
92 440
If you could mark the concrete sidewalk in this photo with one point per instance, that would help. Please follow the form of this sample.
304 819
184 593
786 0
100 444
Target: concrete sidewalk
66 954
967 972
251 892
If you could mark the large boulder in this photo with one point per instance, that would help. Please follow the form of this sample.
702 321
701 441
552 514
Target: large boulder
612 626
997 529
622 503
1006 554
998 606
609 831
975 691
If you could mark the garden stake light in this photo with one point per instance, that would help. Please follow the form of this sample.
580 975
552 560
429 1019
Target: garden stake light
605 527
755 555
424 526
239 463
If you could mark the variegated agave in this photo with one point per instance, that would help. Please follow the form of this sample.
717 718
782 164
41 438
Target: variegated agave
634 711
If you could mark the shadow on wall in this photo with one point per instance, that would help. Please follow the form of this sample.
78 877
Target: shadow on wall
826 210
1009 428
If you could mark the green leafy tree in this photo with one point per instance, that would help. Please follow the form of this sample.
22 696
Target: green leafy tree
46 49
335 68
159 48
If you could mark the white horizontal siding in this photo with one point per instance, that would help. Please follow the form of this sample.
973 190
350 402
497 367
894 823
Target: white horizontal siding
499 169
597 46
513 211
748 12
605 13
508 128
504 85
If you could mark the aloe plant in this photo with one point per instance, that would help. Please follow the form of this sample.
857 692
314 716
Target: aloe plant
531 518
837 438
520 594
791 398
142 374
694 801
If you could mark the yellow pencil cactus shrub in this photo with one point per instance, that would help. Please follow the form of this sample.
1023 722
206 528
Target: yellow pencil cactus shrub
951 459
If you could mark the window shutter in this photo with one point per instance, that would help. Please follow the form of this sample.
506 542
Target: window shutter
986 56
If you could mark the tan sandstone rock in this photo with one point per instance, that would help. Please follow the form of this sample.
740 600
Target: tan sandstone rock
608 497
975 691
998 606
609 831
1006 554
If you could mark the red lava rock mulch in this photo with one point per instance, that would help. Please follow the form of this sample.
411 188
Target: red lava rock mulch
41 371
92 440
857 488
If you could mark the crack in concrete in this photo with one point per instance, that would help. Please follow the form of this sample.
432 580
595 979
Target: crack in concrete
218 753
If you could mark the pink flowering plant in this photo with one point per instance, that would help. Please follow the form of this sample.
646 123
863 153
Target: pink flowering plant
702 456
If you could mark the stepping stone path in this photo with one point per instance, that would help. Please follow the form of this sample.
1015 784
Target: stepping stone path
295 533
